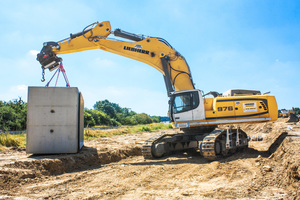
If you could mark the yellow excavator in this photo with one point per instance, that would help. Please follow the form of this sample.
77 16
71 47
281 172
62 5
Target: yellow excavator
196 114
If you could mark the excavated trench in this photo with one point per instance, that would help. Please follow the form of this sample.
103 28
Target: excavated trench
272 148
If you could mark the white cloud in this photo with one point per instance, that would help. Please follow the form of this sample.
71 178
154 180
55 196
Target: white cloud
33 52
19 88
14 92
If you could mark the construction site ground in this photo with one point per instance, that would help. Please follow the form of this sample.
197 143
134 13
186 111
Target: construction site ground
113 168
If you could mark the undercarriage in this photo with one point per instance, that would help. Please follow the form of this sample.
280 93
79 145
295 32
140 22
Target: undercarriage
211 145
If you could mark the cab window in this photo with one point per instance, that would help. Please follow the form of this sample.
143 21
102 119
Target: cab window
185 102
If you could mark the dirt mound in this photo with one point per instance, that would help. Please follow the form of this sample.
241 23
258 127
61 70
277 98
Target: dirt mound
112 168
288 156
17 168
293 174
119 154
257 128
38 166
53 166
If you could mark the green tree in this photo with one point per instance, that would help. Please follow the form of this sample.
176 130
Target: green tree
108 113
107 107
88 119
155 119
13 115
100 117
143 118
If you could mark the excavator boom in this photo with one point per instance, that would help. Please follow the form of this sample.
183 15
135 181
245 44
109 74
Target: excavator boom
153 51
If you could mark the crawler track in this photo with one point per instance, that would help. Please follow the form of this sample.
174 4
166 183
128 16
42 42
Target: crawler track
212 145
221 143
147 148
164 144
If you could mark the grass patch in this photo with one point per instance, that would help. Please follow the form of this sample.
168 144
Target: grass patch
90 134
93 134
17 140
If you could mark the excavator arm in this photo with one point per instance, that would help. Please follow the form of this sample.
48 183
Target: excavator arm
153 51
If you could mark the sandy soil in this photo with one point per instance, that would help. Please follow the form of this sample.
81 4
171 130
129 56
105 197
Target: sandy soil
113 168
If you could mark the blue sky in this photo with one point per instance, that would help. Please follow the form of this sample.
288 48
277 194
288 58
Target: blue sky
249 44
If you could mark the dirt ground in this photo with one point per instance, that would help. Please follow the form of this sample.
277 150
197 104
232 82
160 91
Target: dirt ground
113 168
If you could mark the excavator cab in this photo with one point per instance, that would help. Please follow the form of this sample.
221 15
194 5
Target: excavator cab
186 106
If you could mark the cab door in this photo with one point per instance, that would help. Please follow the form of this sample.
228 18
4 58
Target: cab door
188 106
182 107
